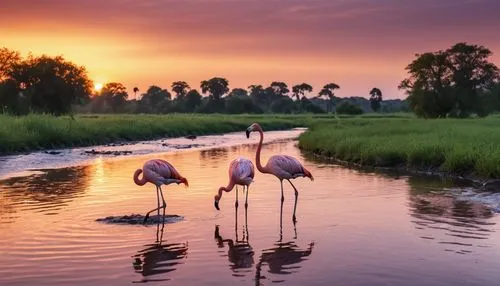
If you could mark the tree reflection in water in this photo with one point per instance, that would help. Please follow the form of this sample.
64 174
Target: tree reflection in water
159 258
458 224
46 192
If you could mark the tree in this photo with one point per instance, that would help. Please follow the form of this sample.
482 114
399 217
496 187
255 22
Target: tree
328 92
375 98
193 100
238 92
348 108
216 87
301 89
156 99
45 84
280 88
136 90
241 104
450 82
180 88
115 95
307 106
8 61
284 104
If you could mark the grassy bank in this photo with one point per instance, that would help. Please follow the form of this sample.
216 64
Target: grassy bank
463 147
35 132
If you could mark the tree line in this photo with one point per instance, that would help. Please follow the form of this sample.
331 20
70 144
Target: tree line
456 82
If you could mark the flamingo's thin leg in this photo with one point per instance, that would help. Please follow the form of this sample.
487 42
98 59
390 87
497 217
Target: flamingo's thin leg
236 203
158 201
246 200
282 196
296 197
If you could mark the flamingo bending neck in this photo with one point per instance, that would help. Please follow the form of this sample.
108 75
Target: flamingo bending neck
228 188
137 181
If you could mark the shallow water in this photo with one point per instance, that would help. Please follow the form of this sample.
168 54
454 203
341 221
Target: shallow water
354 227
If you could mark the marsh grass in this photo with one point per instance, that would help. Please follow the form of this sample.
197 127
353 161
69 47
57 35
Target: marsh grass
35 132
459 146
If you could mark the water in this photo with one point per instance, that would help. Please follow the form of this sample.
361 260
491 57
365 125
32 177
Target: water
354 227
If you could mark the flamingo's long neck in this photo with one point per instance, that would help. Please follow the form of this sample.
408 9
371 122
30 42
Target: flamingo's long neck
257 155
228 188
137 181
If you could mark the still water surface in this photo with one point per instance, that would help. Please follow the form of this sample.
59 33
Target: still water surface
354 228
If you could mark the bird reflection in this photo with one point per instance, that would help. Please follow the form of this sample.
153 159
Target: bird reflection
283 257
240 253
159 258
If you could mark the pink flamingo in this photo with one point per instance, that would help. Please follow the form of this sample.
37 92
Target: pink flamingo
158 172
241 172
284 167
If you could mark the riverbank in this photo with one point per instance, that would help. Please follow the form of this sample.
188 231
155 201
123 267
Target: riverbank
39 132
462 148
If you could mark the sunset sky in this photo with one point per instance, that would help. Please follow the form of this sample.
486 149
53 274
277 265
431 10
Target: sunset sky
358 44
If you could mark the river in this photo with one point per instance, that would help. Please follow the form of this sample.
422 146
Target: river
353 227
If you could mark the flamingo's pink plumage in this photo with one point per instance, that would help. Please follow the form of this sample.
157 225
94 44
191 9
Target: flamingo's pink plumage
241 172
284 167
158 172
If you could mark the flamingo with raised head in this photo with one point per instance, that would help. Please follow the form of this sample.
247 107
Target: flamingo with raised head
241 172
158 172
284 167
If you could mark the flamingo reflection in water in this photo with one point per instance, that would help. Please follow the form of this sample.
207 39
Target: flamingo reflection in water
240 253
283 257
159 258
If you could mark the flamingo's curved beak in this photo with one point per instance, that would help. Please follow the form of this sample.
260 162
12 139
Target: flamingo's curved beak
248 133
216 205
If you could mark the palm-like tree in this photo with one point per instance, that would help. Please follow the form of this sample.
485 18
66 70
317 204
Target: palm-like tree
301 89
375 98
328 92
180 88
136 90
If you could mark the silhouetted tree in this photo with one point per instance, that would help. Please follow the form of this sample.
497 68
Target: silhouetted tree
238 92
284 104
301 89
115 95
193 100
180 88
349 108
8 61
328 92
156 99
216 87
375 98
241 104
451 82
136 90
45 84
307 106
280 88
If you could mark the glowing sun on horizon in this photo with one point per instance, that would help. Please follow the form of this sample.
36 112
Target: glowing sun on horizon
98 86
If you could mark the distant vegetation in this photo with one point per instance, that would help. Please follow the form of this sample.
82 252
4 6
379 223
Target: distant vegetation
463 147
457 82
35 132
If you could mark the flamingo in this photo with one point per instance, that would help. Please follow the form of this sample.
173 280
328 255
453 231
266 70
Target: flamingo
158 172
241 172
283 167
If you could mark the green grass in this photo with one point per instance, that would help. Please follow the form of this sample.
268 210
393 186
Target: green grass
463 147
458 146
35 132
